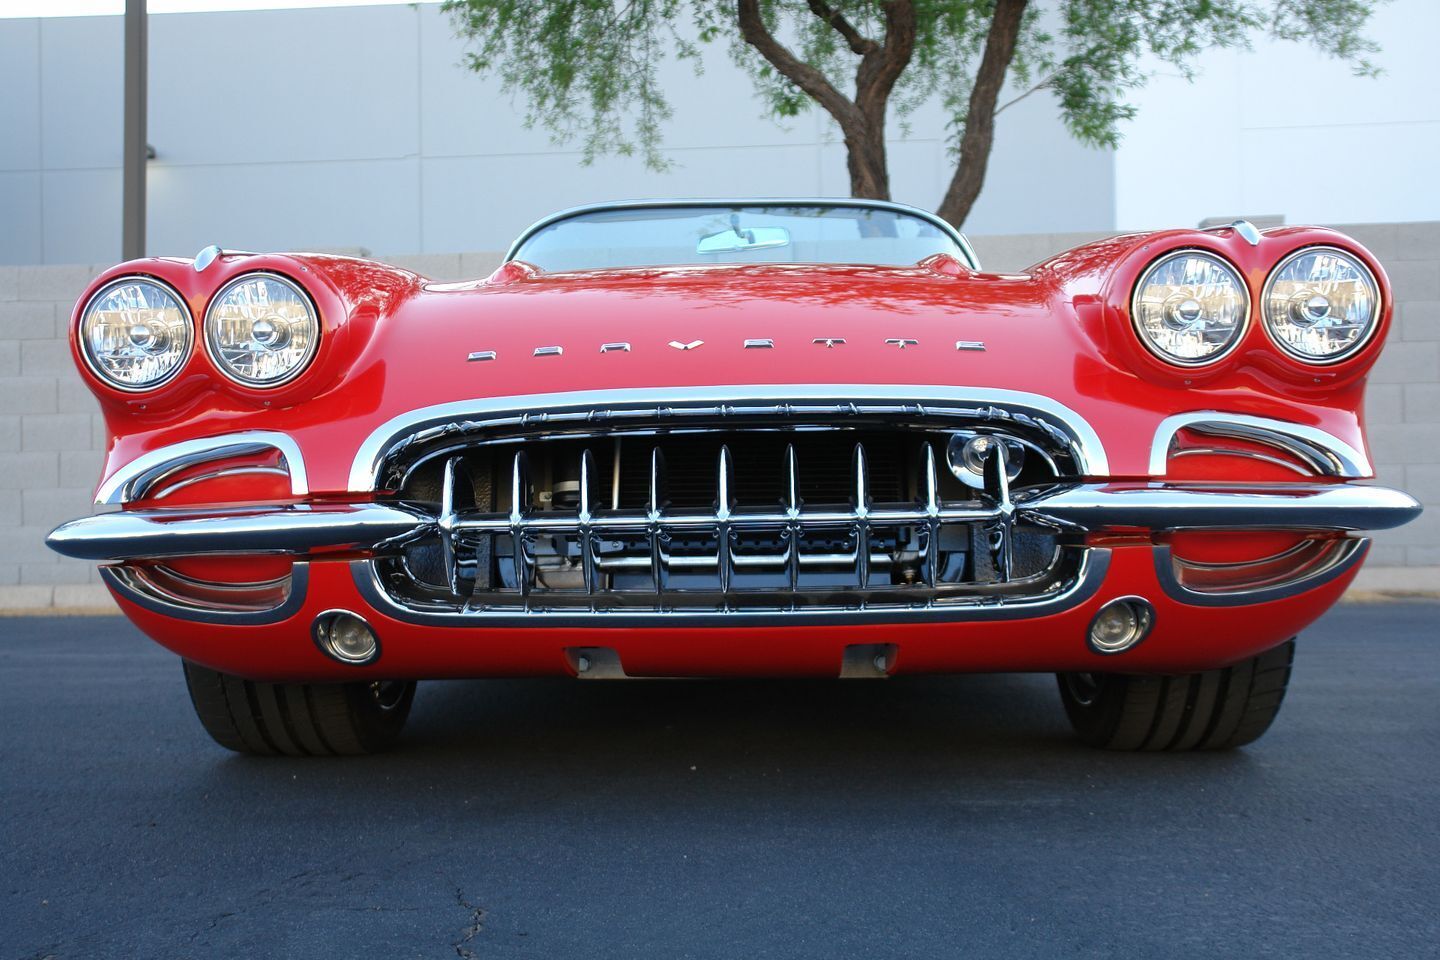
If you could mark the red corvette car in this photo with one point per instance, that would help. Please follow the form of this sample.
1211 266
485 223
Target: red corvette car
738 438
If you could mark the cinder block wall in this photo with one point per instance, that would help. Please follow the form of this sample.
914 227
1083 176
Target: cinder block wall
51 433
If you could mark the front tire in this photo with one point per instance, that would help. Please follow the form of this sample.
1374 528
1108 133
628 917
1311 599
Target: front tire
298 719
1214 710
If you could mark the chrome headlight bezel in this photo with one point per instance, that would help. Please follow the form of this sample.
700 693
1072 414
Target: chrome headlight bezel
212 348
1366 274
187 327
1241 328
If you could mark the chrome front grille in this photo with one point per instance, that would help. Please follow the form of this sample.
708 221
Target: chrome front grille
837 509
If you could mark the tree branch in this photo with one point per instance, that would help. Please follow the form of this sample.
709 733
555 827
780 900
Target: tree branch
979 135
858 42
882 67
804 76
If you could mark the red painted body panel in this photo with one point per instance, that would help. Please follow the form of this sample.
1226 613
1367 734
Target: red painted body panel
392 342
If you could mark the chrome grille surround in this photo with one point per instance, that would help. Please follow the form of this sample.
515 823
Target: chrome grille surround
860 559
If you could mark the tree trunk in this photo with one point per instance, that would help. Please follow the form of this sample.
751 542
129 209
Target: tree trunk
865 157
979 135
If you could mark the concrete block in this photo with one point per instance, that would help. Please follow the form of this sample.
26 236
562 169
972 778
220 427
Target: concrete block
25 545
1397 579
90 596
1417 320
56 431
1422 481
80 468
9 283
436 266
59 283
27 320
9 432
9 574
73 396
1007 254
46 358
29 471
1383 403
50 508
1418 241
26 598
1416 362
72 572
480 264
9 358
1381 239
1422 402
27 395
1408 443
1414 279
10 510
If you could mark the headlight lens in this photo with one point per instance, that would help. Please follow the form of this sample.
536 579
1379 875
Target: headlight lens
1190 307
262 329
135 333
1321 304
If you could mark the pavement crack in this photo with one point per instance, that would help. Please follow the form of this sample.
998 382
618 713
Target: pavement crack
470 930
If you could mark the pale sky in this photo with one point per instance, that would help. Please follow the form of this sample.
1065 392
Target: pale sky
98 8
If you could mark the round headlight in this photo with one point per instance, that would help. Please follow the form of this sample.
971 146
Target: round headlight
135 333
1190 307
1321 304
261 329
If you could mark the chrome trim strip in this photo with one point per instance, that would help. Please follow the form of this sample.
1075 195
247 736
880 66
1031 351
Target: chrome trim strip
1345 559
943 226
132 586
134 480
216 474
1328 454
369 459
1089 576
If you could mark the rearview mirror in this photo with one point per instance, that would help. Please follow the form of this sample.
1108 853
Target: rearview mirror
735 239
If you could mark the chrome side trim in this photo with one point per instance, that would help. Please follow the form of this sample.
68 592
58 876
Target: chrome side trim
943 226
134 480
1090 574
540 407
1326 453
131 584
1344 559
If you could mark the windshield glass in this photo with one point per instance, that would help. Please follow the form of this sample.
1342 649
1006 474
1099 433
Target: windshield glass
645 236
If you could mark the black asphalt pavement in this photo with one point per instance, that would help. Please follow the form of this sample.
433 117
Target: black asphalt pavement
927 817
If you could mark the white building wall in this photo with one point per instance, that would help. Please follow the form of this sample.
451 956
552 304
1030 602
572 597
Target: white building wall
356 127
1282 130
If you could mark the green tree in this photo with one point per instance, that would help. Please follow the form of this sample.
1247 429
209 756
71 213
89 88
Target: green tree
588 69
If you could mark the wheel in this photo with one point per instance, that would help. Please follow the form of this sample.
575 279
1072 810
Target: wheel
1214 710
298 719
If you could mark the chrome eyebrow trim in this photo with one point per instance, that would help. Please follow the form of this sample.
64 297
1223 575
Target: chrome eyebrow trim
137 478
1326 453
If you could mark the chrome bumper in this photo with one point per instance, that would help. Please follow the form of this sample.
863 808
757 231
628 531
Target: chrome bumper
306 531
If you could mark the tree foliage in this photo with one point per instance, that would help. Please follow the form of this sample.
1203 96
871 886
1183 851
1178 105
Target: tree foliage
589 70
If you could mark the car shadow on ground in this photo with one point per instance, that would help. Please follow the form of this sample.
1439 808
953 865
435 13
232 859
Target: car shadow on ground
626 746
